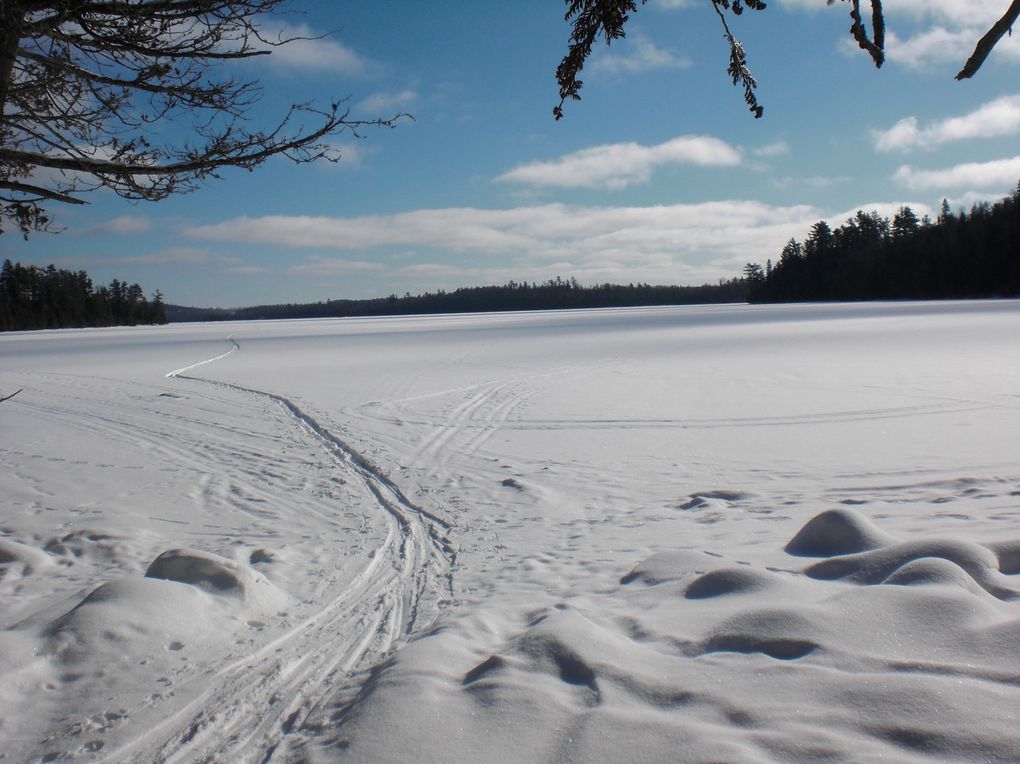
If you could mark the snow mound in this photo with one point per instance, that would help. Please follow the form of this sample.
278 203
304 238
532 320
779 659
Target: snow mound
671 566
123 655
18 560
931 570
836 532
978 562
723 581
218 576
187 597
564 647
131 616
780 633
896 652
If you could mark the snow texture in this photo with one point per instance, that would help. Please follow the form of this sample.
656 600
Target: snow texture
726 533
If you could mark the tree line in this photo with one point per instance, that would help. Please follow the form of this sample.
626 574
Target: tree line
553 294
32 297
958 255
869 257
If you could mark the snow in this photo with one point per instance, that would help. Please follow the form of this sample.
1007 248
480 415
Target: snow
727 533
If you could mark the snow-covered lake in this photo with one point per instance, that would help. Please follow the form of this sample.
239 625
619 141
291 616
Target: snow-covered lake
726 533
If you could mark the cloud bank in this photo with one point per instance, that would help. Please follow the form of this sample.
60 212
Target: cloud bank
679 243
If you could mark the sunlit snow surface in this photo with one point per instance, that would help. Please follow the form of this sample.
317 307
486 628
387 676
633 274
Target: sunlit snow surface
729 533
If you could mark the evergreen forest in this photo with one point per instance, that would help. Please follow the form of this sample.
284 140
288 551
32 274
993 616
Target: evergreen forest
551 295
959 255
32 297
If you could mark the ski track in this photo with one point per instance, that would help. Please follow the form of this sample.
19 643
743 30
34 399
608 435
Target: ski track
252 708
490 407
483 410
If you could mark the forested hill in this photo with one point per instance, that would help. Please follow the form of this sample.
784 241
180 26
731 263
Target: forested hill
960 255
50 298
553 294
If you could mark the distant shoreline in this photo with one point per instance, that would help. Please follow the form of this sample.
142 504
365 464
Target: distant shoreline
555 294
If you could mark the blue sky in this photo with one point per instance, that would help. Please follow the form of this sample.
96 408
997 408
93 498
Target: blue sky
659 175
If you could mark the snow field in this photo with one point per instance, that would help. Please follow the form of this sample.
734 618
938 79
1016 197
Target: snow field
783 533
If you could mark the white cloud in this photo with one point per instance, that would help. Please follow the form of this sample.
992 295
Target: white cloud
433 271
777 149
538 228
313 52
452 228
125 224
677 243
884 209
352 154
930 46
325 267
685 243
968 199
639 55
230 264
388 102
993 119
813 181
946 32
619 165
803 5
1000 173
902 136
169 255
955 12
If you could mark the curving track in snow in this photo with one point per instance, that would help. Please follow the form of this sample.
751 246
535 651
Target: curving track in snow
252 708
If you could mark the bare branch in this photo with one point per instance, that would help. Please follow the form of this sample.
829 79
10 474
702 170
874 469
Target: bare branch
38 192
8 397
874 48
140 82
989 40
241 153
84 84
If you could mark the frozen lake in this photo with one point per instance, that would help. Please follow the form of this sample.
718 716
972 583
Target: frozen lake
737 533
